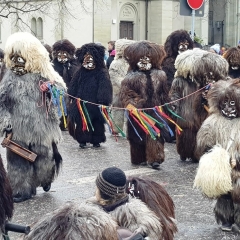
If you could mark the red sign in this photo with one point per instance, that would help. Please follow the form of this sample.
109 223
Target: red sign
195 4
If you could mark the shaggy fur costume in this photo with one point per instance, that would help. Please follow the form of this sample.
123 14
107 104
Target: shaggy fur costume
72 221
232 55
144 89
67 69
6 200
117 71
195 69
171 49
20 107
218 129
93 86
157 199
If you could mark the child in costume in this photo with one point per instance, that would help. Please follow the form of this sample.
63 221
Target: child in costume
27 111
90 83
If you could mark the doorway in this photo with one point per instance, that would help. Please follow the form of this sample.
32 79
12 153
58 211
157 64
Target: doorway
126 30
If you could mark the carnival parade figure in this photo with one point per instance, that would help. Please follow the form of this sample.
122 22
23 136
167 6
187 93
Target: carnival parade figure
196 71
176 43
117 71
218 142
232 55
144 86
27 117
90 83
2 64
123 208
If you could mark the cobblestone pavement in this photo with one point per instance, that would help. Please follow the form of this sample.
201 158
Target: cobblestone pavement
194 213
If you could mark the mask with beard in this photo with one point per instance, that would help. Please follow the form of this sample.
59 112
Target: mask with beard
144 64
182 47
62 56
228 108
18 64
88 62
234 64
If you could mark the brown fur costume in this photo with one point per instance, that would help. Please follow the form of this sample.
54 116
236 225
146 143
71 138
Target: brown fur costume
195 69
49 49
157 199
232 55
223 130
6 200
171 47
94 86
144 89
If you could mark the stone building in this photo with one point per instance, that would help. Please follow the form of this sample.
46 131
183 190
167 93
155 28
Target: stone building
104 20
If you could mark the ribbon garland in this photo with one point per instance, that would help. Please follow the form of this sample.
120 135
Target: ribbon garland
146 122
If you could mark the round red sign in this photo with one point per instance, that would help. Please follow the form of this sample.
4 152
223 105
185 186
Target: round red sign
195 4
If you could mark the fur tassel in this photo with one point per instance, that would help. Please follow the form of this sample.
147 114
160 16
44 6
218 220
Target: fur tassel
85 221
213 176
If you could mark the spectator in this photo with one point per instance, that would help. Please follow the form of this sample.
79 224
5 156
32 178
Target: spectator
215 48
111 47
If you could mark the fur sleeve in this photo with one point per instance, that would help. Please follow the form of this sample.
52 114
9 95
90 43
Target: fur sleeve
73 87
206 138
136 215
5 117
176 92
104 95
131 91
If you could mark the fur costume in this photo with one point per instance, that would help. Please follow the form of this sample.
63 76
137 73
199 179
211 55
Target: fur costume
2 64
222 127
20 105
49 49
144 89
177 42
117 71
232 55
72 221
195 69
6 200
65 67
91 83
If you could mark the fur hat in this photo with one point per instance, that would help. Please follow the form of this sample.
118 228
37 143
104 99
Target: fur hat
120 45
216 48
34 53
63 45
111 182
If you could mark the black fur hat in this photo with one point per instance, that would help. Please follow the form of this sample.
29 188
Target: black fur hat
63 45
96 50
111 182
172 41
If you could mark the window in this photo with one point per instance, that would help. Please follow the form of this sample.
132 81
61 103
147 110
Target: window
40 28
34 26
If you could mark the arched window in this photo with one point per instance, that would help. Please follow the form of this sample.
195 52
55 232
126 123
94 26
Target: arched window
40 28
34 26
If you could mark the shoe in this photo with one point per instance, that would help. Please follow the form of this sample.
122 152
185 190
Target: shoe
183 158
155 165
82 145
46 188
20 198
235 228
96 145
227 227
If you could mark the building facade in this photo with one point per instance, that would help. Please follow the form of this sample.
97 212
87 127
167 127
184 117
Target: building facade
102 21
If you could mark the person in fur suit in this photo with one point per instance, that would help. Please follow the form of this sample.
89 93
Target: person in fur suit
90 83
2 64
219 139
6 199
232 55
33 121
144 86
195 69
65 64
117 71
49 49
63 59
176 43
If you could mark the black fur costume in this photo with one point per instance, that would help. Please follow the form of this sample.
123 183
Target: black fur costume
6 199
232 55
93 86
171 47
67 69
144 89
2 64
